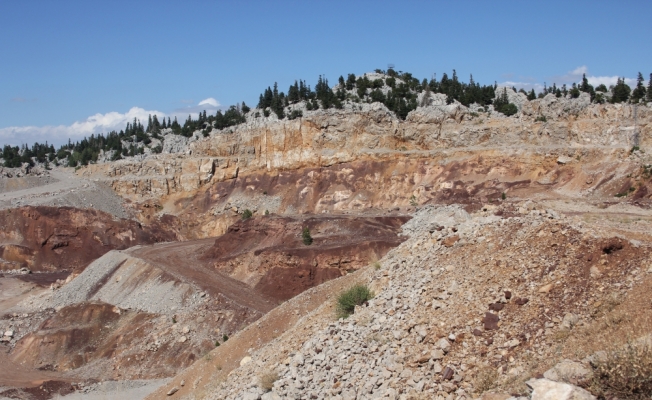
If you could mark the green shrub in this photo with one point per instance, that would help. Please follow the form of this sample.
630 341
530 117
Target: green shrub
295 114
247 214
225 337
355 296
503 196
541 118
625 193
305 235
509 109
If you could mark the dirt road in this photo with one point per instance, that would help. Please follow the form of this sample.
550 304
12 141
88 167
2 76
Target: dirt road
181 259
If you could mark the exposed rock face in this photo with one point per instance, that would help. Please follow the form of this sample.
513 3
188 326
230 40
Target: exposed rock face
175 144
327 137
516 98
269 255
49 239
553 107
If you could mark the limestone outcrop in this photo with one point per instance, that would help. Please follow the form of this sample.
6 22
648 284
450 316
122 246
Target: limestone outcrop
371 132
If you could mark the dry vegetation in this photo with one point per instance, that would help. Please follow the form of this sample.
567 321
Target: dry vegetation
267 380
625 372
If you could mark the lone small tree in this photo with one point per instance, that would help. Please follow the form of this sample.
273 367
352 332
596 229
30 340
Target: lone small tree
639 91
307 239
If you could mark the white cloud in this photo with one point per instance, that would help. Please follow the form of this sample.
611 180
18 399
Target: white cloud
580 70
608 80
527 86
568 78
95 124
210 105
576 76
210 102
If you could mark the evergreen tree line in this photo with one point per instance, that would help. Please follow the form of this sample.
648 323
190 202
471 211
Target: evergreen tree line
322 96
620 92
401 98
134 136
15 156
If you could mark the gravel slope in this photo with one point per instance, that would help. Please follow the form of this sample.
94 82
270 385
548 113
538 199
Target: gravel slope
62 188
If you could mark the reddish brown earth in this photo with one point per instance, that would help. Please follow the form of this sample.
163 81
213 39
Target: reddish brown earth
268 252
182 260
75 335
47 239
96 340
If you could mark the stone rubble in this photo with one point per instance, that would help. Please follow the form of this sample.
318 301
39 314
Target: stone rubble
443 314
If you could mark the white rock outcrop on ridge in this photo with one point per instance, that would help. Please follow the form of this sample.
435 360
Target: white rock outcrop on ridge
516 98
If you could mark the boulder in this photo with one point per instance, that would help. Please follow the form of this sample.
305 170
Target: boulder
568 371
563 160
545 389
569 321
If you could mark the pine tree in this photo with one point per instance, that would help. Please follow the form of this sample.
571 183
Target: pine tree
639 91
293 93
586 87
531 96
649 89
575 92
277 102
620 92
350 82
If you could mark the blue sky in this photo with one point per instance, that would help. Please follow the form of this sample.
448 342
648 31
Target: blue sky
73 67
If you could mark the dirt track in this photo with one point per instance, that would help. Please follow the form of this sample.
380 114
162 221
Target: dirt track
181 259
18 376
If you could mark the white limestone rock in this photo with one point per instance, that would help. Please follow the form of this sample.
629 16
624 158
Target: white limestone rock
545 389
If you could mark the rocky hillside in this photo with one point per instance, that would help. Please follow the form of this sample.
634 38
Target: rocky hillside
471 303
521 267
364 158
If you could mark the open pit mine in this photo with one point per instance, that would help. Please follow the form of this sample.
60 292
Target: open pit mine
504 258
